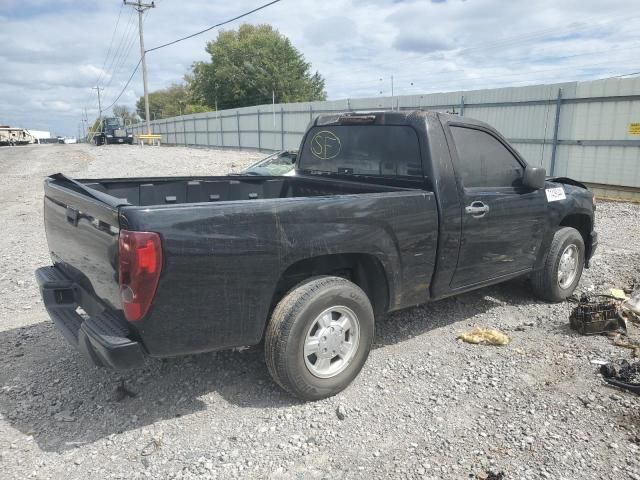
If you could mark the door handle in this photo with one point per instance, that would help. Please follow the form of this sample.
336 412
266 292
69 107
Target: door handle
477 209
72 216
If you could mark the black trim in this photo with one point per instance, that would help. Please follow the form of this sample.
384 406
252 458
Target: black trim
103 338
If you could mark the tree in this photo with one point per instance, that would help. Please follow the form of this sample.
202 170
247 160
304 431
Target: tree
126 115
169 102
249 65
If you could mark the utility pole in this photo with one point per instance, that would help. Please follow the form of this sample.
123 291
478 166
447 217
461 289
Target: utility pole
98 88
141 8
99 104
84 124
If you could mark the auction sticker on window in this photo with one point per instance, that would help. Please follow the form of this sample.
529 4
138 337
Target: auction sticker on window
555 194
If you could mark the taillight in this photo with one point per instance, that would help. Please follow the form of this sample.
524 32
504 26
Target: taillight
140 262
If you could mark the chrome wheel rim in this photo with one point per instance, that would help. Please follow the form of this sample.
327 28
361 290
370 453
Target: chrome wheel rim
568 266
331 342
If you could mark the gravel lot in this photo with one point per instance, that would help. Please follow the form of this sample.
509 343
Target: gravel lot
424 406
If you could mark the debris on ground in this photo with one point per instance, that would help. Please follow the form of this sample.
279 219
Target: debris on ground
341 412
64 416
631 306
621 340
491 476
123 392
594 317
152 446
625 375
618 293
484 336
598 361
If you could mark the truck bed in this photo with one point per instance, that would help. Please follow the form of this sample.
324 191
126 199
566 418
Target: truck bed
160 191
228 243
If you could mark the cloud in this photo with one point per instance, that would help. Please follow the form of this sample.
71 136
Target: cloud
331 30
421 43
54 50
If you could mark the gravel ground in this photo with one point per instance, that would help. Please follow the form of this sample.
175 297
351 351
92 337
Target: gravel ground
424 406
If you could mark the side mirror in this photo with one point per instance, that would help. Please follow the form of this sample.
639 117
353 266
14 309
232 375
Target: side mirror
534 177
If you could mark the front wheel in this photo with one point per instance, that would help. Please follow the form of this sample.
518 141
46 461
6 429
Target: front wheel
319 337
563 266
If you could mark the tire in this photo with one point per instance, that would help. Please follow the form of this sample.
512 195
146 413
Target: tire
547 283
319 308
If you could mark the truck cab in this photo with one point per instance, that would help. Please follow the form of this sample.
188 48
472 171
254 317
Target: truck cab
112 131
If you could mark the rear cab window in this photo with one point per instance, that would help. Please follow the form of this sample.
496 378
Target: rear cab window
367 150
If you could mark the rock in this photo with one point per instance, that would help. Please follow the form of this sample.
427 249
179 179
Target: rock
64 416
341 412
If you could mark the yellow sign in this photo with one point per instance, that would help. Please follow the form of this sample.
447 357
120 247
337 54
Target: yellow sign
634 129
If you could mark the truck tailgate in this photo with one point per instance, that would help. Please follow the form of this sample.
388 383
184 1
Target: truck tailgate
82 233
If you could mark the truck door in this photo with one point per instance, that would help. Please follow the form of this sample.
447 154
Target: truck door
502 220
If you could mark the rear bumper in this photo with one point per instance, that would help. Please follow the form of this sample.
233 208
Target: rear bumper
104 338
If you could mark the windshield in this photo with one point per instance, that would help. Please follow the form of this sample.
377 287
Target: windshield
113 122
387 150
275 165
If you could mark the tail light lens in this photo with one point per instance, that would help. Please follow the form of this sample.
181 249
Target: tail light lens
140 262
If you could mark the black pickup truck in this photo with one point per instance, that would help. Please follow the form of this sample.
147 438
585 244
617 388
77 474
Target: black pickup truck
386 210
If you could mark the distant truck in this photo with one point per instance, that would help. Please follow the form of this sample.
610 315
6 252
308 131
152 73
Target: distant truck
112 131
14 136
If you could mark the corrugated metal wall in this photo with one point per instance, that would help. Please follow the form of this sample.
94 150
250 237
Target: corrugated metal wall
584 134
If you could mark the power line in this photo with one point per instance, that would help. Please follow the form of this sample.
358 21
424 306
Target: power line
123 46
185 38
123 57
213 26
126 85
627 74
113 36
102 71
112 53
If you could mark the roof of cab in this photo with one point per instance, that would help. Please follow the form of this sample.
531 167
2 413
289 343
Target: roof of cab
391 117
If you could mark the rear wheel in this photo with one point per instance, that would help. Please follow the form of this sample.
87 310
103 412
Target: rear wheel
319 337
562 268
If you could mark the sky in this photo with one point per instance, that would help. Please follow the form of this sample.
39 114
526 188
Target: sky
54 51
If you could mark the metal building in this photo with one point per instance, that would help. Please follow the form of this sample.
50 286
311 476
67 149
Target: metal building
586 130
